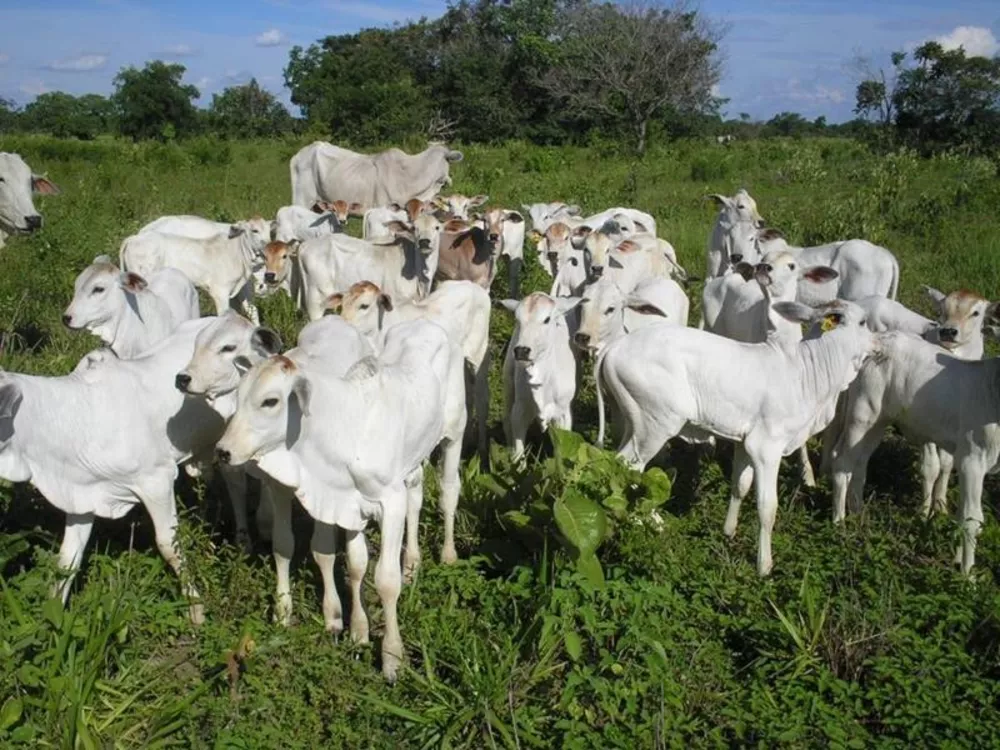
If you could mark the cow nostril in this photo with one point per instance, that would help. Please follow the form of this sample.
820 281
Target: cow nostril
67 320
223 455
948 333
736 258
182 381
494 237
424 244
522 352
269 277
582 338
553 256
597 270
34 222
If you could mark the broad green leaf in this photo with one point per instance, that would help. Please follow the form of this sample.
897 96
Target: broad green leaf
574 645
566 443
617 504
517 518
489 483
591 568
10 714
657 486
52 611
581 520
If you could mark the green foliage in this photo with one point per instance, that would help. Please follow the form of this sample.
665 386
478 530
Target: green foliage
863 637
67 116
153 103
248 112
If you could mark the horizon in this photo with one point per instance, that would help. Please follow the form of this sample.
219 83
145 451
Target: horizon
778 56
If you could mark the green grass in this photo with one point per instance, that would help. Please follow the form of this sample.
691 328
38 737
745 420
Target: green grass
864 635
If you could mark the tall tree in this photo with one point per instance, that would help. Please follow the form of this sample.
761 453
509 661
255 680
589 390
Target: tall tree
9 116
66 116
248 111
633 63
154 103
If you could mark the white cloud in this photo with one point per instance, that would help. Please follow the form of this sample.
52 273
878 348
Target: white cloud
81 64
181 50
977 41
270 38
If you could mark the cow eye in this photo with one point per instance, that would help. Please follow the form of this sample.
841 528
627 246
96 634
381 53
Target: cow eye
269 403
573 262
975 314
609 311
548 319
864 322
227 349
791 266
97 290
364 306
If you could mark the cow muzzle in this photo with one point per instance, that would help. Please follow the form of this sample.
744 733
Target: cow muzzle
270 278
582 340
736 258
597 271
33 222
522 353
424 245
67 320
182 382
948 335
223 455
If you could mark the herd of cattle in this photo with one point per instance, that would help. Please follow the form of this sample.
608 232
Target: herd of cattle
345 420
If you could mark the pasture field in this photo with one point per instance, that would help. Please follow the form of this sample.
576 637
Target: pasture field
864 636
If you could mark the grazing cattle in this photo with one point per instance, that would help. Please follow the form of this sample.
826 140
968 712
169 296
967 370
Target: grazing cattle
324 172
724 140
627 262
105 438
670 381
607 313
402 265
544 215
733 237
17 183
505 231
342 210
301 224
214 374
457 206
351 448
130 313
466 254
460 307
378 220
886 314
222 265
539 370
959 331
933 398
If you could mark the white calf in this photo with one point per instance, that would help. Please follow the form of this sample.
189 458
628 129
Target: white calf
300 223
377 221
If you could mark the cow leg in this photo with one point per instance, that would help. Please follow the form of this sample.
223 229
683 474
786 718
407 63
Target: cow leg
564 421
941 487
855 446
264 517
162 509
741 478
75 538
520 419
414 502
389 578
482 396
765 468
647 439
324 552
236 486
971 472
282 548
451 484
930 469
808 477
221 302
514 277
357 566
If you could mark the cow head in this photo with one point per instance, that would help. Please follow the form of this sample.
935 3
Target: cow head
278 259
364 306
602 314
961 317
254 233
844 321
736 227
100 296
231 342
458 205
779 274
17 183
272 399
543 215
339 208
540 320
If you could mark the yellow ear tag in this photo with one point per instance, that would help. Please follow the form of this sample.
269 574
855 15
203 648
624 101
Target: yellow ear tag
829 323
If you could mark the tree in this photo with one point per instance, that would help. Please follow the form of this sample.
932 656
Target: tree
153 103
630 64
9 116
66 116
248 112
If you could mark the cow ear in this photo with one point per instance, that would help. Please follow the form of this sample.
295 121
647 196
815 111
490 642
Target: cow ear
102 260
42 185
302 391
769 234
797 312
572 210
613 262
644 307
131 282
937 297
454 156
242 365
579 236
385 302
745 270
720 200
334 301
478 200
10 400
235 230
395 207
355 209
398 227
293 246
510 304
566 304
265 342
513 216
640 227
819 274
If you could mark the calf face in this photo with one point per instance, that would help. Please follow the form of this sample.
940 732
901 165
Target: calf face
779 273
363 306
218 349
846 319
543 214
538 317
602 313
254 233
738 218
264 410
961 315
339 208
458 205
99 294
278 259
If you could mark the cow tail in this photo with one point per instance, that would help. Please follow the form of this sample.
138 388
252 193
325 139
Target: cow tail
894 284
600 398
121 254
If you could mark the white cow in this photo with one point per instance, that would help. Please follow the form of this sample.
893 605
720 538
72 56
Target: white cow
734 233
627 261
608 313
17 183
403 265
933 398
670 381
462 308
539 370
105 438
324 172
886 314
504 230
959 331
457 206
301 223
130 313
201 228
377 220
351 447
222 265
544 215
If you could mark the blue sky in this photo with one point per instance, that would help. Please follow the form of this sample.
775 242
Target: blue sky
779 54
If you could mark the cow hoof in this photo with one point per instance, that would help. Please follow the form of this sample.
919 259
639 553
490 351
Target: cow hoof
448 555
197 614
